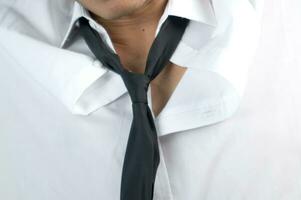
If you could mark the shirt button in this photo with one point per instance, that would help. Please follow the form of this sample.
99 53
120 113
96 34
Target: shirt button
93 25
98 64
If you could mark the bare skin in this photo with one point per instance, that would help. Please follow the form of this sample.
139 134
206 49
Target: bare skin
127 20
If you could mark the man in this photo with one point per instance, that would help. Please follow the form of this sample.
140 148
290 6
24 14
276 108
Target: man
65 117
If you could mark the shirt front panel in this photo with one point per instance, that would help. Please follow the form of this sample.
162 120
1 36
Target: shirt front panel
50 153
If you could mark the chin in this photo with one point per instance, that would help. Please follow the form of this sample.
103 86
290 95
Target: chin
112 9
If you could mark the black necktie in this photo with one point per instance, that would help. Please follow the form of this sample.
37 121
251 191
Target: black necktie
142 153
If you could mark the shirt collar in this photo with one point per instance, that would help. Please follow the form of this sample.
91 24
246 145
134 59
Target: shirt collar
75 78
205 94
200 11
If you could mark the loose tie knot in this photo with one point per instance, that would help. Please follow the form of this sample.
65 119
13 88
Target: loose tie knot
137 85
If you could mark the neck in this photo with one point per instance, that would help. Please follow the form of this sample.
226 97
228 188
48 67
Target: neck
132 35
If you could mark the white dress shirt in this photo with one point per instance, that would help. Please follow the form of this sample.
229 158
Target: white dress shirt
65 118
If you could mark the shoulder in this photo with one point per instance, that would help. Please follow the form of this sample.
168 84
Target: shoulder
45 20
